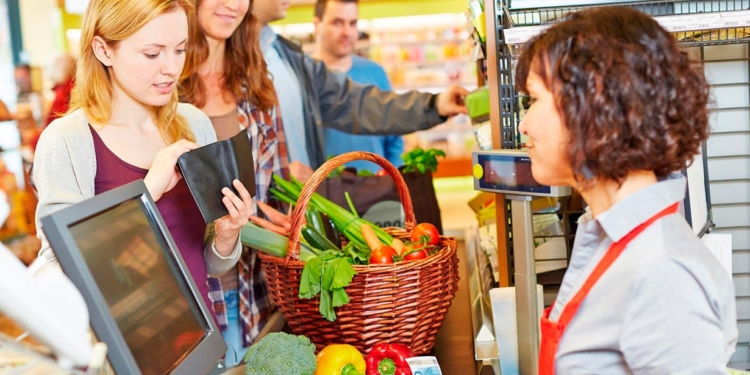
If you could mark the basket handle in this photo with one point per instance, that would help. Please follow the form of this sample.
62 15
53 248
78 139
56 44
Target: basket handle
298 216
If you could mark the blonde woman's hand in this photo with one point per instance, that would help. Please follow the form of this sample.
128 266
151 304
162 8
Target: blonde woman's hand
228 227
163 174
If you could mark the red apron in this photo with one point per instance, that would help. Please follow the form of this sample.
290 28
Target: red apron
552 332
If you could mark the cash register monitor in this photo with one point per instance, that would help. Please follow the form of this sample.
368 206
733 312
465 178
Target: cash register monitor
118 252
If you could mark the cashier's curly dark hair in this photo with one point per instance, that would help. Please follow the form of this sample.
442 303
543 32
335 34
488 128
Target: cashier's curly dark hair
630 98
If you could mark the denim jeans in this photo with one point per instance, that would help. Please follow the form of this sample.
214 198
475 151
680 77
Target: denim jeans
233 334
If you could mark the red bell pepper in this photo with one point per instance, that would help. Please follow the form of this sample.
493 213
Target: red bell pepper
389 359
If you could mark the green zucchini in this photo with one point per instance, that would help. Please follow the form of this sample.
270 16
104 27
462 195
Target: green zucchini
272 243
314 219
336 235
316 239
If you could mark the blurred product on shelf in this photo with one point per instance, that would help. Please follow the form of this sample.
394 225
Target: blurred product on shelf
5 114
478 106
454 137
62 72
29 102
426 52
20 220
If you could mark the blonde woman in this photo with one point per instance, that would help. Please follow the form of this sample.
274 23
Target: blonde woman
226 78
125 124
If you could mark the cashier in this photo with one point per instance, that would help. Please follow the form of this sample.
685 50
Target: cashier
616 110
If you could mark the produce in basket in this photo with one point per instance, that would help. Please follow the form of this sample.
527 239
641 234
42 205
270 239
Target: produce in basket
340 359
426 232
280 353
383 255
389 359
327 274
272 243
383 298
346 222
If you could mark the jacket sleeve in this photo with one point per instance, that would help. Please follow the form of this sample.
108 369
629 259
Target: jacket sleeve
55 179
361 109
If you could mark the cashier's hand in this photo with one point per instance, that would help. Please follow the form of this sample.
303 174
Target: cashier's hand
163 174
451 101
300 171
228 227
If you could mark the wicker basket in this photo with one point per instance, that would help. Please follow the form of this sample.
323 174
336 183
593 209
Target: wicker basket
404 302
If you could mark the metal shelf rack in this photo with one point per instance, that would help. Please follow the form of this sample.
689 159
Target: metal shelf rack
510 23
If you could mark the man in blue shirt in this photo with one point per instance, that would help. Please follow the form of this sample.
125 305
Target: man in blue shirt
336 34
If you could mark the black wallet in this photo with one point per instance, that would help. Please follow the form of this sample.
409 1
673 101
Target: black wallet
210 168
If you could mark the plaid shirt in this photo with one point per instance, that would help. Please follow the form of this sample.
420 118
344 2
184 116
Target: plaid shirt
266 132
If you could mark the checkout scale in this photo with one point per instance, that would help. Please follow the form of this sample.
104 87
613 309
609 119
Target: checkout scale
508 172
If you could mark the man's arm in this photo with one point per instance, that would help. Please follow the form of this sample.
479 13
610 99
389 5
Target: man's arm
360 109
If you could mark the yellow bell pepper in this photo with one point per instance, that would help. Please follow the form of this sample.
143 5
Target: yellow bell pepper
340 359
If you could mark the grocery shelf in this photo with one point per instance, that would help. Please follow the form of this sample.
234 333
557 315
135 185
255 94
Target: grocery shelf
511 23
692 22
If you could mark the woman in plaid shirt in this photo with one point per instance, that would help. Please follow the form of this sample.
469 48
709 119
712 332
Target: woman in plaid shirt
226 77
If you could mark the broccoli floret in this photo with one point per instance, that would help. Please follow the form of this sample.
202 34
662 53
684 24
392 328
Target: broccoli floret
280 353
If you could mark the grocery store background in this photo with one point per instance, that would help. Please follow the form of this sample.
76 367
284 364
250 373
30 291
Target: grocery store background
431 52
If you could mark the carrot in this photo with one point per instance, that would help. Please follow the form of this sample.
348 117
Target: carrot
370 237
270 226
397 245
276 217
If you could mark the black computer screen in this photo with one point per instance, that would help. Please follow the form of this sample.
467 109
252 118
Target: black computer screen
145 298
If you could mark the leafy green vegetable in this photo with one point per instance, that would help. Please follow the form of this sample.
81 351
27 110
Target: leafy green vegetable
327 274
420 160
340 298
360 254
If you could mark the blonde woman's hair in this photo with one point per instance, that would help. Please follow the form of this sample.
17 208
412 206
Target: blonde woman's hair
115 21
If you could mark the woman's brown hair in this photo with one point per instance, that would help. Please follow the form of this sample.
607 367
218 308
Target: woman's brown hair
630 98
244 65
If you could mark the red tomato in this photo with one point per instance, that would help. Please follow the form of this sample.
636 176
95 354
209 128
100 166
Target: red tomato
383 255
381 173
426 229
415 255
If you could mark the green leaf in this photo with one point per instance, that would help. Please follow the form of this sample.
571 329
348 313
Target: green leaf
309 285
328 274
326 308
421 168
359 255
343 275
365 173
351 204
340 298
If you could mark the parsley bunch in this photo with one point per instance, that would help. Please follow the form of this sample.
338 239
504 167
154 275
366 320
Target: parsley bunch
327 274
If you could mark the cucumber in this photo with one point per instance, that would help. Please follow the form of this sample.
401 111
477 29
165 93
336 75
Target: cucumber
272 243
317 240
314 219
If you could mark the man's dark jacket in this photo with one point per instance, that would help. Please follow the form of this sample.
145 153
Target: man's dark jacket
333 100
